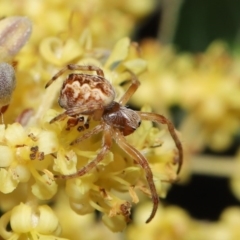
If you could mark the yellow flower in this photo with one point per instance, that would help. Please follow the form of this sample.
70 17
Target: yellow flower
33 151
22 153
27 221
170 223
205 87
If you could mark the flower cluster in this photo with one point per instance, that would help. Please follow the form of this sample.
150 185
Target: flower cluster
33 150
205 86
175 223
33 204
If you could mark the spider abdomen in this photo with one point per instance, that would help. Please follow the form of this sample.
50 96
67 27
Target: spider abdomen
83 89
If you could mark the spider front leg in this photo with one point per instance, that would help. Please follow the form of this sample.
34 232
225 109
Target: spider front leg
73 67
131 90
59 117
163 120
78 111
142 161
106 144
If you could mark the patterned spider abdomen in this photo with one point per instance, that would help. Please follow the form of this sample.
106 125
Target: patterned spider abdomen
85 89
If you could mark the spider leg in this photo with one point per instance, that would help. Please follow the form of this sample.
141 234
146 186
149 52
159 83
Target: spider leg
131 90
163 120
142 161
88 134
106 144
57 75
98 70
85 110
59 117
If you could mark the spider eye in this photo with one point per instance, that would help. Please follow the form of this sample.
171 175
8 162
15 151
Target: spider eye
139 123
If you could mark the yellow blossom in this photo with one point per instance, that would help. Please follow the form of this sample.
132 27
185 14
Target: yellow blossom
41 150
27 221
34 152
170 223
205 87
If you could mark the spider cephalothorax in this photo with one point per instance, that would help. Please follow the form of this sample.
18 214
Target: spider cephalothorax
93 96
118 117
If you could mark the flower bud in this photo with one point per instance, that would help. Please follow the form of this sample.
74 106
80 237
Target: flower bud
7 83
14 33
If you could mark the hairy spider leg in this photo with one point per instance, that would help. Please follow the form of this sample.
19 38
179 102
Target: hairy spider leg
142 161
154 117
73 67
59 117
106 145
78 111
131 90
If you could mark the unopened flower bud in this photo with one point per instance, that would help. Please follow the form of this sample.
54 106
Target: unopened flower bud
14 33
7 83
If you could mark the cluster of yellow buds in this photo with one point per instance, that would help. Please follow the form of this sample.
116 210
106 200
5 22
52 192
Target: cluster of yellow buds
175 223
33 150
205 86
36 205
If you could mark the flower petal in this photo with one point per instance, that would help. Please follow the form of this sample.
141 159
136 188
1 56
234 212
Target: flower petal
119 53
115 223
65 163
15 134
48 222
7 183
6 156
47 142
44 188
21 218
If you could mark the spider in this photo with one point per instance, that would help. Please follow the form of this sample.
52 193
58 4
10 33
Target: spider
93 96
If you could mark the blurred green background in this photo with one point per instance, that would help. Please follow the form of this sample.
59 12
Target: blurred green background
199 23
